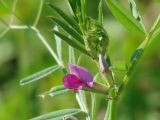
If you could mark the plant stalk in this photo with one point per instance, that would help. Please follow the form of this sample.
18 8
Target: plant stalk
111 112
112 105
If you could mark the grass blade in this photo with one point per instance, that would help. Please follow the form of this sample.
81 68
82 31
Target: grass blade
68 29
58 115
70 21
39 75
55 91
124 17
71 42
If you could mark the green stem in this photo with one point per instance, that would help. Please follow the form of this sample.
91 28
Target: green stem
97 88
94 106
112 105
111 110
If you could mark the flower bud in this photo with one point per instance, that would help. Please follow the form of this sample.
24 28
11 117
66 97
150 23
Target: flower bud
96 39
104 68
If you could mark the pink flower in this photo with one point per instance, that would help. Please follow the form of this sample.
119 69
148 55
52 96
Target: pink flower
78 78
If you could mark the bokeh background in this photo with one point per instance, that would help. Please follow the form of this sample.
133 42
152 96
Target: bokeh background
22 53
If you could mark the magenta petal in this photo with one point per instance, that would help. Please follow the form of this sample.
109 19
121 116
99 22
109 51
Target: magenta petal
72 82
83 74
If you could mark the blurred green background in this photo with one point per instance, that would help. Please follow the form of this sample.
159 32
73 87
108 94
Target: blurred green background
22 53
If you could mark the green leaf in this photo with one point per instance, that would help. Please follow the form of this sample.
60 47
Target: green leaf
152 34
94 106
156 25
79 11
70 21
136 13
106 117
71 42
81 98
39 75
83 10
58 115
69 30
79 59
72 58
73 5
156 35
58 45
124 17
55 91
100 13
94 101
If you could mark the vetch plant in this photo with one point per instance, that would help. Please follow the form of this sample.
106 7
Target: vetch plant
90 38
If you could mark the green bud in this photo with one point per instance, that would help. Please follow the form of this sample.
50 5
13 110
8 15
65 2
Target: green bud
96 39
